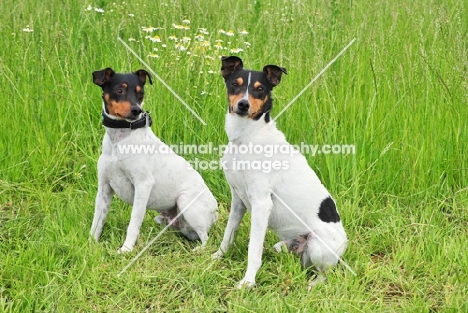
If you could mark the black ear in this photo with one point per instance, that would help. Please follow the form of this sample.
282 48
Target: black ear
230 65
273 73
102 76
142 75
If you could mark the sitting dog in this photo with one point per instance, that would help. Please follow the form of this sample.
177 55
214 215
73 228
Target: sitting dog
280 190
161 181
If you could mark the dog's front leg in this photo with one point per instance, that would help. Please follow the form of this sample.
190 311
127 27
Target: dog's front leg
235 217
101 207
261 209
142 193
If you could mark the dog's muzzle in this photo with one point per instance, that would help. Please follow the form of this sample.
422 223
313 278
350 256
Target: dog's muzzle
135 112
243 107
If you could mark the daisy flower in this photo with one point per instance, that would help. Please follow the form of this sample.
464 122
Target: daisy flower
205 44
236 50
203 31
149 29
155 39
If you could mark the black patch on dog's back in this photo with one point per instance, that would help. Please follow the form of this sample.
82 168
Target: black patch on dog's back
327 211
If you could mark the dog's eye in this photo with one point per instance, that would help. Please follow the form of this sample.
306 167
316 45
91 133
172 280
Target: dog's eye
119 91
235 85
260 88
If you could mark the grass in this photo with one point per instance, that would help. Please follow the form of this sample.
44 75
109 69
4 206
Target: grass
399 94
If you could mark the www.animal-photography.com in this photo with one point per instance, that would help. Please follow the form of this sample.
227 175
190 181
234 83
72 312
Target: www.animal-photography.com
223 156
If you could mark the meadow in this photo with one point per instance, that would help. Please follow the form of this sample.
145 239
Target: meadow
399 94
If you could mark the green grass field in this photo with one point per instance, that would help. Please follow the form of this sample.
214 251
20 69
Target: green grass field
399 94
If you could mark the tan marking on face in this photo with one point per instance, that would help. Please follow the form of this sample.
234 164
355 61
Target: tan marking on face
125 85
138 89
233 100
120 109
257 84
256 105
240 81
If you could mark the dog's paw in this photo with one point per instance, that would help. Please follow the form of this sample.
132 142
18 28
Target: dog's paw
245 283
124 249
320 279
198 248
93 235
280 246
160 219
91 238
217 255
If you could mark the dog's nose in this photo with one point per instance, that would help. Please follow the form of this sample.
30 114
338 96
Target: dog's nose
136 110
243 105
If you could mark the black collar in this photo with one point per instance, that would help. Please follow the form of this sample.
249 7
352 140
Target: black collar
144 121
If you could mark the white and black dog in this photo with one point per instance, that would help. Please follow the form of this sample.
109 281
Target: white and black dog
280 190
163 181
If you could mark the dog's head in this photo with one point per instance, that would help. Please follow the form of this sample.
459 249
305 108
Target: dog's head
122 92
249 92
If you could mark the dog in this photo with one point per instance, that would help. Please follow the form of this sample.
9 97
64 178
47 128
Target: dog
286 195
164 182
